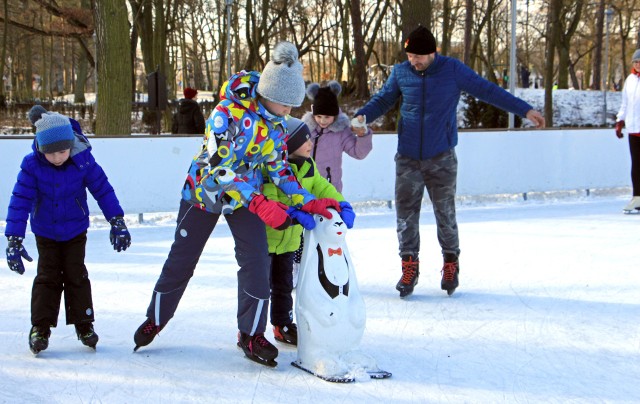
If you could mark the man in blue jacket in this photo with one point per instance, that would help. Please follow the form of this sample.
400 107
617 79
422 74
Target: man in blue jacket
430 85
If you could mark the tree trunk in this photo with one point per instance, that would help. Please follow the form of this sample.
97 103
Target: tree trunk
360 68
114 64
597 59
468 29
553 31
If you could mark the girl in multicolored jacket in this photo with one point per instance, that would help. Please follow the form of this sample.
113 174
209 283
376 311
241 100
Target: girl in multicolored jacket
332 133
284 243
244 133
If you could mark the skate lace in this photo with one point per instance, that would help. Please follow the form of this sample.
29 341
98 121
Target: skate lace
260 340
409 269
449 271
150 328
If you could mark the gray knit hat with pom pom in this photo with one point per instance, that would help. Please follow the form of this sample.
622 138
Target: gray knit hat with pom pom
281 80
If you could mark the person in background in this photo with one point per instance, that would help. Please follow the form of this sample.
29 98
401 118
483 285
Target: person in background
430 85
629 117
331 132
245 133
189 119
283 243
51 193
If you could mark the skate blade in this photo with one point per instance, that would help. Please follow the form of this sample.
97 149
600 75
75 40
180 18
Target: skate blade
266 362
379 374
332 379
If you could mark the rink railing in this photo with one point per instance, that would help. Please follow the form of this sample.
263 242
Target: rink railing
147 172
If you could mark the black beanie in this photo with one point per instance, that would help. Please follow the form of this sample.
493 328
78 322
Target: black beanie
325 99
421 42
298 134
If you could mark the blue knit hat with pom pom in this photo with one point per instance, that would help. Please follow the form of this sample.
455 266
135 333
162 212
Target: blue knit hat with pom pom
281 80
54 133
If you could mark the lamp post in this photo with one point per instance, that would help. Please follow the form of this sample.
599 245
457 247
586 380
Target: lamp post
229 4
608 14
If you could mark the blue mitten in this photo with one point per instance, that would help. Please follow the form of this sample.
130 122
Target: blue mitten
305 219
347 214
15 253
119 236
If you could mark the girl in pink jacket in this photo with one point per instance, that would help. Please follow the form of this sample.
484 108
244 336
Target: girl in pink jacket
332 134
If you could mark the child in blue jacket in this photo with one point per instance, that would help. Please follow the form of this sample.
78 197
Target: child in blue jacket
51 193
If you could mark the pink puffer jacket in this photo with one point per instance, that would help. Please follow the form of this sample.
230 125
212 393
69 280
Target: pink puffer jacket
331 142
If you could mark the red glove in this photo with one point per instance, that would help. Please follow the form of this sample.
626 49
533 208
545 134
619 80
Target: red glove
272 213
619 126
320 206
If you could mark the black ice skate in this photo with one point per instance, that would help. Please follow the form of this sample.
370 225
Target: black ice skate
87 335
146 333
450 271
410 274
287 334
258 349
39 339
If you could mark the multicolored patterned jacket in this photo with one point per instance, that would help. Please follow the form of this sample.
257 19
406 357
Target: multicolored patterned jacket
240 137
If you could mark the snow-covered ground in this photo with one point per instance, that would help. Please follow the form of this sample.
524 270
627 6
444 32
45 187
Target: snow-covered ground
547 311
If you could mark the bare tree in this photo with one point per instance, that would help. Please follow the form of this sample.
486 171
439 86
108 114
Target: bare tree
114 64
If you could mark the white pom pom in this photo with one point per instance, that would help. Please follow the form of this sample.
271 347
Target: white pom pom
285 52
312 91
335 87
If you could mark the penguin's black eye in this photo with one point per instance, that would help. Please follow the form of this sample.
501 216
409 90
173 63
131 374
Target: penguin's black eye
321 219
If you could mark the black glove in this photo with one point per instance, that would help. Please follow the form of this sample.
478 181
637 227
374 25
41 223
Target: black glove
119 236
15 253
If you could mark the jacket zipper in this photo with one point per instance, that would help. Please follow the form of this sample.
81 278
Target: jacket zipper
80 206
315 144
424 101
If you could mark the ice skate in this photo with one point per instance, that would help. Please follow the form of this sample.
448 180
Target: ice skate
287 334
633 205
450 271
258 349
410 274
146 333
87 335
39 339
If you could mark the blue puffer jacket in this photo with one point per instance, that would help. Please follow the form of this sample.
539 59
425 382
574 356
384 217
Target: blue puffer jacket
428 124
56 197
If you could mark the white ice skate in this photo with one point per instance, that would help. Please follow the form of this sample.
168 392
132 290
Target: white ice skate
633 205
330 311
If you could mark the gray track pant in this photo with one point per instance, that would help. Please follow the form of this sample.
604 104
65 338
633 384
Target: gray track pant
251 251
438 175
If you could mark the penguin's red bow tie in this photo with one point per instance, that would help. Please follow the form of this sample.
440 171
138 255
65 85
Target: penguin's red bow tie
337 252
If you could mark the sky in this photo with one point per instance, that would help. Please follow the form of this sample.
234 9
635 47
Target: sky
547 311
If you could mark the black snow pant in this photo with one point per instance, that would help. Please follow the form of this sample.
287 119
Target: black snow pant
281 288
252 254
61 268
439 176
634 148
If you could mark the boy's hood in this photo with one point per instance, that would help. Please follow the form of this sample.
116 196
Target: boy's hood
241 88
80 144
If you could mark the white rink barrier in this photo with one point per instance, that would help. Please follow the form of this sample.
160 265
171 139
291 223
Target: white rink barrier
147 172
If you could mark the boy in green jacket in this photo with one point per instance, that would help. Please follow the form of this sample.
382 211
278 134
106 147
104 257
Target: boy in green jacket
283 243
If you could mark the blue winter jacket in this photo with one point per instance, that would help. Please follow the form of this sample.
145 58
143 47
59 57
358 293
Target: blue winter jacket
428 124
55 198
